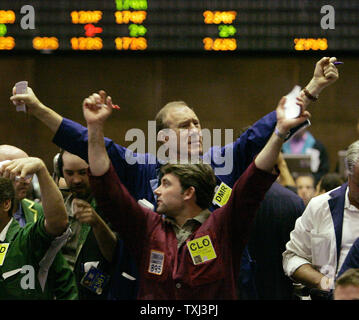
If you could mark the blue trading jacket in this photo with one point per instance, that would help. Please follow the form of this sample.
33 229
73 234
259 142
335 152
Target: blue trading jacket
142 179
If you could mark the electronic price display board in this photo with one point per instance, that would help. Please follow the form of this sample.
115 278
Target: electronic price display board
179 25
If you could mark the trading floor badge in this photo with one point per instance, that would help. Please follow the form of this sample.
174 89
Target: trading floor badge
222 195
201 250
95 280
156 262
3 250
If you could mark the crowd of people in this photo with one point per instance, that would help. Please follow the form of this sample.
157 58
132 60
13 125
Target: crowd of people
111 224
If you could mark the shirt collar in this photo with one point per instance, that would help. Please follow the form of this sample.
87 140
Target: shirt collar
4 231
347 204
19 213
201 218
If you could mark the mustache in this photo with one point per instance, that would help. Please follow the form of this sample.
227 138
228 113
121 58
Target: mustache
78 186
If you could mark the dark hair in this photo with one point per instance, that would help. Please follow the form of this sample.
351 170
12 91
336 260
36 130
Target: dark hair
7 192
200 176
58 164
330 181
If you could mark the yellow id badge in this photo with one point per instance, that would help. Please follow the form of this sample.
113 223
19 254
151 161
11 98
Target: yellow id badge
3 250
201 250
222 195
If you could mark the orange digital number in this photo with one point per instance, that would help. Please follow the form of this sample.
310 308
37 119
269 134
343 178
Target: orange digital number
323 44
218 44
7 16
86 43
7 43
301 44
208 17
130 43
218 17
45 43
84 17
128 16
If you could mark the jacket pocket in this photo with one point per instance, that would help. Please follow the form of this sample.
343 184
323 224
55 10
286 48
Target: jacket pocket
156 264
205 272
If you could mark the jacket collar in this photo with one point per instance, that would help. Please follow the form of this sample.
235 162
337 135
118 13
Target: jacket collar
14 228
336 205
3 232
30 213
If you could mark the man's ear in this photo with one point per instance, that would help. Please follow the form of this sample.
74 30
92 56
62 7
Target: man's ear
162 136
189 193
6 205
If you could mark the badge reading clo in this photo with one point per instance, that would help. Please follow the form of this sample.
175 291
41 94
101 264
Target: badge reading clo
201 250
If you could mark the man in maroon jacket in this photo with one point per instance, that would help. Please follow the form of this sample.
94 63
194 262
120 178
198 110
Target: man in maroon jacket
192 253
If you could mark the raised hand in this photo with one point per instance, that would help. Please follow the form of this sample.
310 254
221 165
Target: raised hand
21 168
268 157
285 124
29 98
97 108
325 72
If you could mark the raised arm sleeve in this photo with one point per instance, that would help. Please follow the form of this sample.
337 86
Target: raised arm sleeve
239 154
133 222
135 175
239 212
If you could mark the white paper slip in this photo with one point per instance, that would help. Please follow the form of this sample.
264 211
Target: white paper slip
146 204
127 276
291 109
8 274
89 264
21 87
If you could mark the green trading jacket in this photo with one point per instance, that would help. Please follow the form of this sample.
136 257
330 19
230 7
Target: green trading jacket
27 246
61 280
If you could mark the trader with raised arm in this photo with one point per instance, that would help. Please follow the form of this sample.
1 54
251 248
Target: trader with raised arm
32 248
190 253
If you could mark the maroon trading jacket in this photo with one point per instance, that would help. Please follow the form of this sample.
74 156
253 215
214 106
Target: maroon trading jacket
166 272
